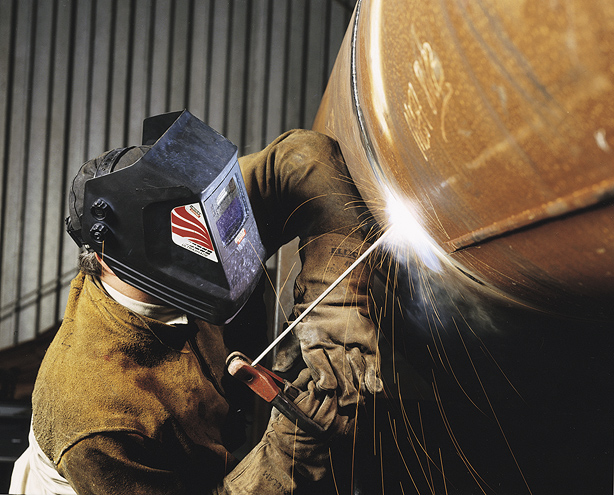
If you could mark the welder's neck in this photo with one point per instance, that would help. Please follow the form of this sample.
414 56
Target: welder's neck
163 313
109 278
138 301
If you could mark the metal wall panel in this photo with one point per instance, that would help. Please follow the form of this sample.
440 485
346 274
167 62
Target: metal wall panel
78 77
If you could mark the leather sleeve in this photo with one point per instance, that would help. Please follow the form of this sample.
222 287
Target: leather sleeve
299 185
112 463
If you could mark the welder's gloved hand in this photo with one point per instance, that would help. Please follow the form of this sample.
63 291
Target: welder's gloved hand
286 456
311 455
338 339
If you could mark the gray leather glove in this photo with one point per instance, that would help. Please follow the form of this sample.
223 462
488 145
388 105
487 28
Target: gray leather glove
338 339
286 455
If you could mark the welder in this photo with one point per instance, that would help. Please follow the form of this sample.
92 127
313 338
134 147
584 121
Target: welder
132 395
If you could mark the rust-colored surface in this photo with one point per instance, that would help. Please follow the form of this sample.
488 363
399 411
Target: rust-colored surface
496 120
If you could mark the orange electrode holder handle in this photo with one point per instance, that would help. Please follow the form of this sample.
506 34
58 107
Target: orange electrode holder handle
263 382
279 392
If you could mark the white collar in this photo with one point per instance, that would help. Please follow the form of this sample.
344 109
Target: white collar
165 314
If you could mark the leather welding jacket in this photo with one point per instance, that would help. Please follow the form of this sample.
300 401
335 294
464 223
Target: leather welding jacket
127 404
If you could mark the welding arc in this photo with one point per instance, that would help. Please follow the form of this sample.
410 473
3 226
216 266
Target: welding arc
359 260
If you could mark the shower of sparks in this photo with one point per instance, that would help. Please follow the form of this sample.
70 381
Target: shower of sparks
434 284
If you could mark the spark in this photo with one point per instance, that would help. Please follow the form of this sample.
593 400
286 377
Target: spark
332 470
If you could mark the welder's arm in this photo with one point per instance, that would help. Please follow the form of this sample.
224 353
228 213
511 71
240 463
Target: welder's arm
124 462
299 186
338 338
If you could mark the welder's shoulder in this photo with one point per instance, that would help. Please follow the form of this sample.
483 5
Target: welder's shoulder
87 384
308 136
296 143
306 140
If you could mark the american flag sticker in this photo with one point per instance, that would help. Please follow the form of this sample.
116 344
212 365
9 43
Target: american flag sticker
189 230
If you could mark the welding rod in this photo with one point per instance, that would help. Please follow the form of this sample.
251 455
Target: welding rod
359 260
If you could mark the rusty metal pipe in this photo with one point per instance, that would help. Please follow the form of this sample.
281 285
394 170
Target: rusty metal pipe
495 120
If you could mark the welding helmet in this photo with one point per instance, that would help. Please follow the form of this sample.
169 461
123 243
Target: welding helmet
172 217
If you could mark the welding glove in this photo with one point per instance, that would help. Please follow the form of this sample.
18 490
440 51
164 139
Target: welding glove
286 456
338 339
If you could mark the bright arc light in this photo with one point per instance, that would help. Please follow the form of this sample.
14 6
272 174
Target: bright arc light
406 235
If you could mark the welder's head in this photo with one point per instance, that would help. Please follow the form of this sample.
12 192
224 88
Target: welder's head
109 162
172 219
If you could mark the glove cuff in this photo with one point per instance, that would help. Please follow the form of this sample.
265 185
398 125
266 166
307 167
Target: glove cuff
264 470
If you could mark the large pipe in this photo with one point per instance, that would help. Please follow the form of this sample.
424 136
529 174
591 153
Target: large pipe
494 120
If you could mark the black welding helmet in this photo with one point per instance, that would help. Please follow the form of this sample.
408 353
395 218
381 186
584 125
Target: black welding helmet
172 218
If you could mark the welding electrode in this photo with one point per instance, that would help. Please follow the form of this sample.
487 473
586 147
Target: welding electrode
360 259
